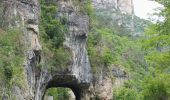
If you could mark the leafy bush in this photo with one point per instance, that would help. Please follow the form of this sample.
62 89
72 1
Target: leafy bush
58 93
127 94
84 6
106 48
11 60
156 88
54 27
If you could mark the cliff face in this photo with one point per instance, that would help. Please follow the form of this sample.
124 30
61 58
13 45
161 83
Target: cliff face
119 14
75 38
125 6
78 75
25 14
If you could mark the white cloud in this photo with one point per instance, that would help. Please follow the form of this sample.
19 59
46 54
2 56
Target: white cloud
145 8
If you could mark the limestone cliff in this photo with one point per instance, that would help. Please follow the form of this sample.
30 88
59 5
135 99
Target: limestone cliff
25 14
77 75
119 14
125 6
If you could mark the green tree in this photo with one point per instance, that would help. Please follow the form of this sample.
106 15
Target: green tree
157 50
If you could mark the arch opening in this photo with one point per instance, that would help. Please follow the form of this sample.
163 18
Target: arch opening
65 84
59 93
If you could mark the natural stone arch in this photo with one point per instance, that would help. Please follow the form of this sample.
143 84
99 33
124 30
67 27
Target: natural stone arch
39 79
78 74
69 81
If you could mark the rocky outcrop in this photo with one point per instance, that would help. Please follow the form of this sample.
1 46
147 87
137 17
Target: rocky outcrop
120 76
103 88
25 14
77 74
118 14
75 38
125 6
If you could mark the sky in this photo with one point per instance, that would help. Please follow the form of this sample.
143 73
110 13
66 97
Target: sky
145 8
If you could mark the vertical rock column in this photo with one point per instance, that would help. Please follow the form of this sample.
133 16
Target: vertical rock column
24 14
75 40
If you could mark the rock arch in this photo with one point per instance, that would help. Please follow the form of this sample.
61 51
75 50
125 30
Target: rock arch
78 77
60 82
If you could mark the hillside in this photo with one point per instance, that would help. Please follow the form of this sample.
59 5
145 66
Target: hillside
82 50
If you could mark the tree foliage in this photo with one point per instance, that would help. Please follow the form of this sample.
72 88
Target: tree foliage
154 83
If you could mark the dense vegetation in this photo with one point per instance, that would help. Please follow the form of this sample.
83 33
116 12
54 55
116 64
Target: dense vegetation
11 61
59 93
146 59
154 82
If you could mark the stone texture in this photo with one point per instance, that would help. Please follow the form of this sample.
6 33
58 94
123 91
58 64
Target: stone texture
125 6
120 76
75 39
78 77
119 13
103 88
71 95
25 14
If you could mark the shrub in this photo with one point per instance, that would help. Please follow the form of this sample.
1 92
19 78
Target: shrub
11 57
156 88
126 94
58 93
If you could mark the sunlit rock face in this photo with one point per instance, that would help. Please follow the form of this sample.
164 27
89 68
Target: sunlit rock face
117 13
75 38
78 75
104 4
125 6
103 87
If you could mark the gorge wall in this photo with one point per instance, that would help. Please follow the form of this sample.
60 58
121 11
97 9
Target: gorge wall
25 14
125 6
120 15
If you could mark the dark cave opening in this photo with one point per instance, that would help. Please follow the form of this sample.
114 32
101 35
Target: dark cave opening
64 85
